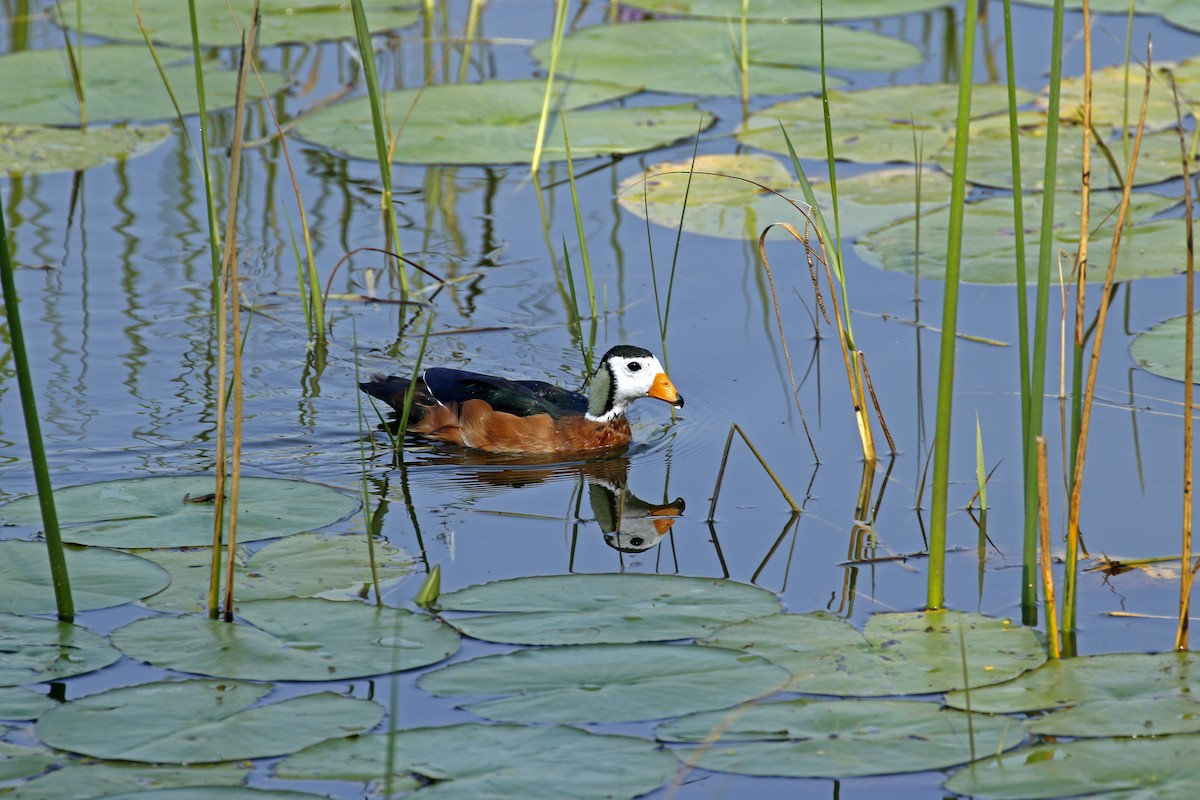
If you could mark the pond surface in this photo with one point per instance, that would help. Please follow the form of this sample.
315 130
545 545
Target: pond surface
114 288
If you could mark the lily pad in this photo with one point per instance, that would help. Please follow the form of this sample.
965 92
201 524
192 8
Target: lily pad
593 609
36 149
120 82
18 762
85 780
486 762
297 639
495 122
606 683
215 793
786 9
840 738
1166 768
1075 681
1182 13
897 654
23 704
731 208
100 578
877 125
305 565
200 721
700 57
1150 248
1160 350
221 24
169 512
40 650
1153 716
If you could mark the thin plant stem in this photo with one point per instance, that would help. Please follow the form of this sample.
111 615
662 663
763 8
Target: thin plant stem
1081 260
214 251
735 428
560 22
1046 559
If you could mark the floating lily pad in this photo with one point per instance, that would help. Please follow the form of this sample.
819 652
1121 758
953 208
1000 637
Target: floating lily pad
481 762
1160 350
1074 681
85 780
897 654
1149 248
23 704
888 123
305 565
292 640
100 578
40 650
1183 13
786 9
200 721
166 512
221 24
699 57
36 149
841 738
495 122
1166 768
18 762
1116 100
1153 716
606 683
215 793
729 207
120 82
593 609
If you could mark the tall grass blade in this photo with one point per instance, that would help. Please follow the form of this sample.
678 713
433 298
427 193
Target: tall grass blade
214 252
560 22
1046 559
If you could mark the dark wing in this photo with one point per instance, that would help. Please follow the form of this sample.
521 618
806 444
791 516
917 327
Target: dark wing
521 398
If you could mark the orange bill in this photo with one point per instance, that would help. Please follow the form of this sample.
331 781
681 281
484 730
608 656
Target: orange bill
663 389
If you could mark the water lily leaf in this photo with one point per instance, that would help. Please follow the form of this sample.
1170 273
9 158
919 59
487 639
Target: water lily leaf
1149 249
1153 716
897 654
36 149
495 122
201 721
591 609
1074 681
298 639
120 82
1116 100
1182 13
40 650
100 578
23 704
221 24
304 565
1165 768
165 512
731 208
215 793
85 780
486 762
1160 350
18 762
786 9
841 738
873 125
606 683
699 57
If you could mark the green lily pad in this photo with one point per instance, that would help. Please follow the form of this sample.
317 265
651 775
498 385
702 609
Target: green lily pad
786 9
495 122
1074 681
120 82
18 762
298 639
305 565
40 650
215 793
221 24
1149 248
1182 13
86 780
99 578
593 609
154 512
606 682
699 57
873 125
840 738
492 762
1116 100
23 704
896 654
1166 768
731 208
36 149
1153 716
1160 350
201 721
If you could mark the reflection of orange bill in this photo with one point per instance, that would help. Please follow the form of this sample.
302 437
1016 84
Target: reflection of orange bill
665 518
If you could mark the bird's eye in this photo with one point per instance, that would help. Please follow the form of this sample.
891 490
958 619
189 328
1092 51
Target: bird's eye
634 366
